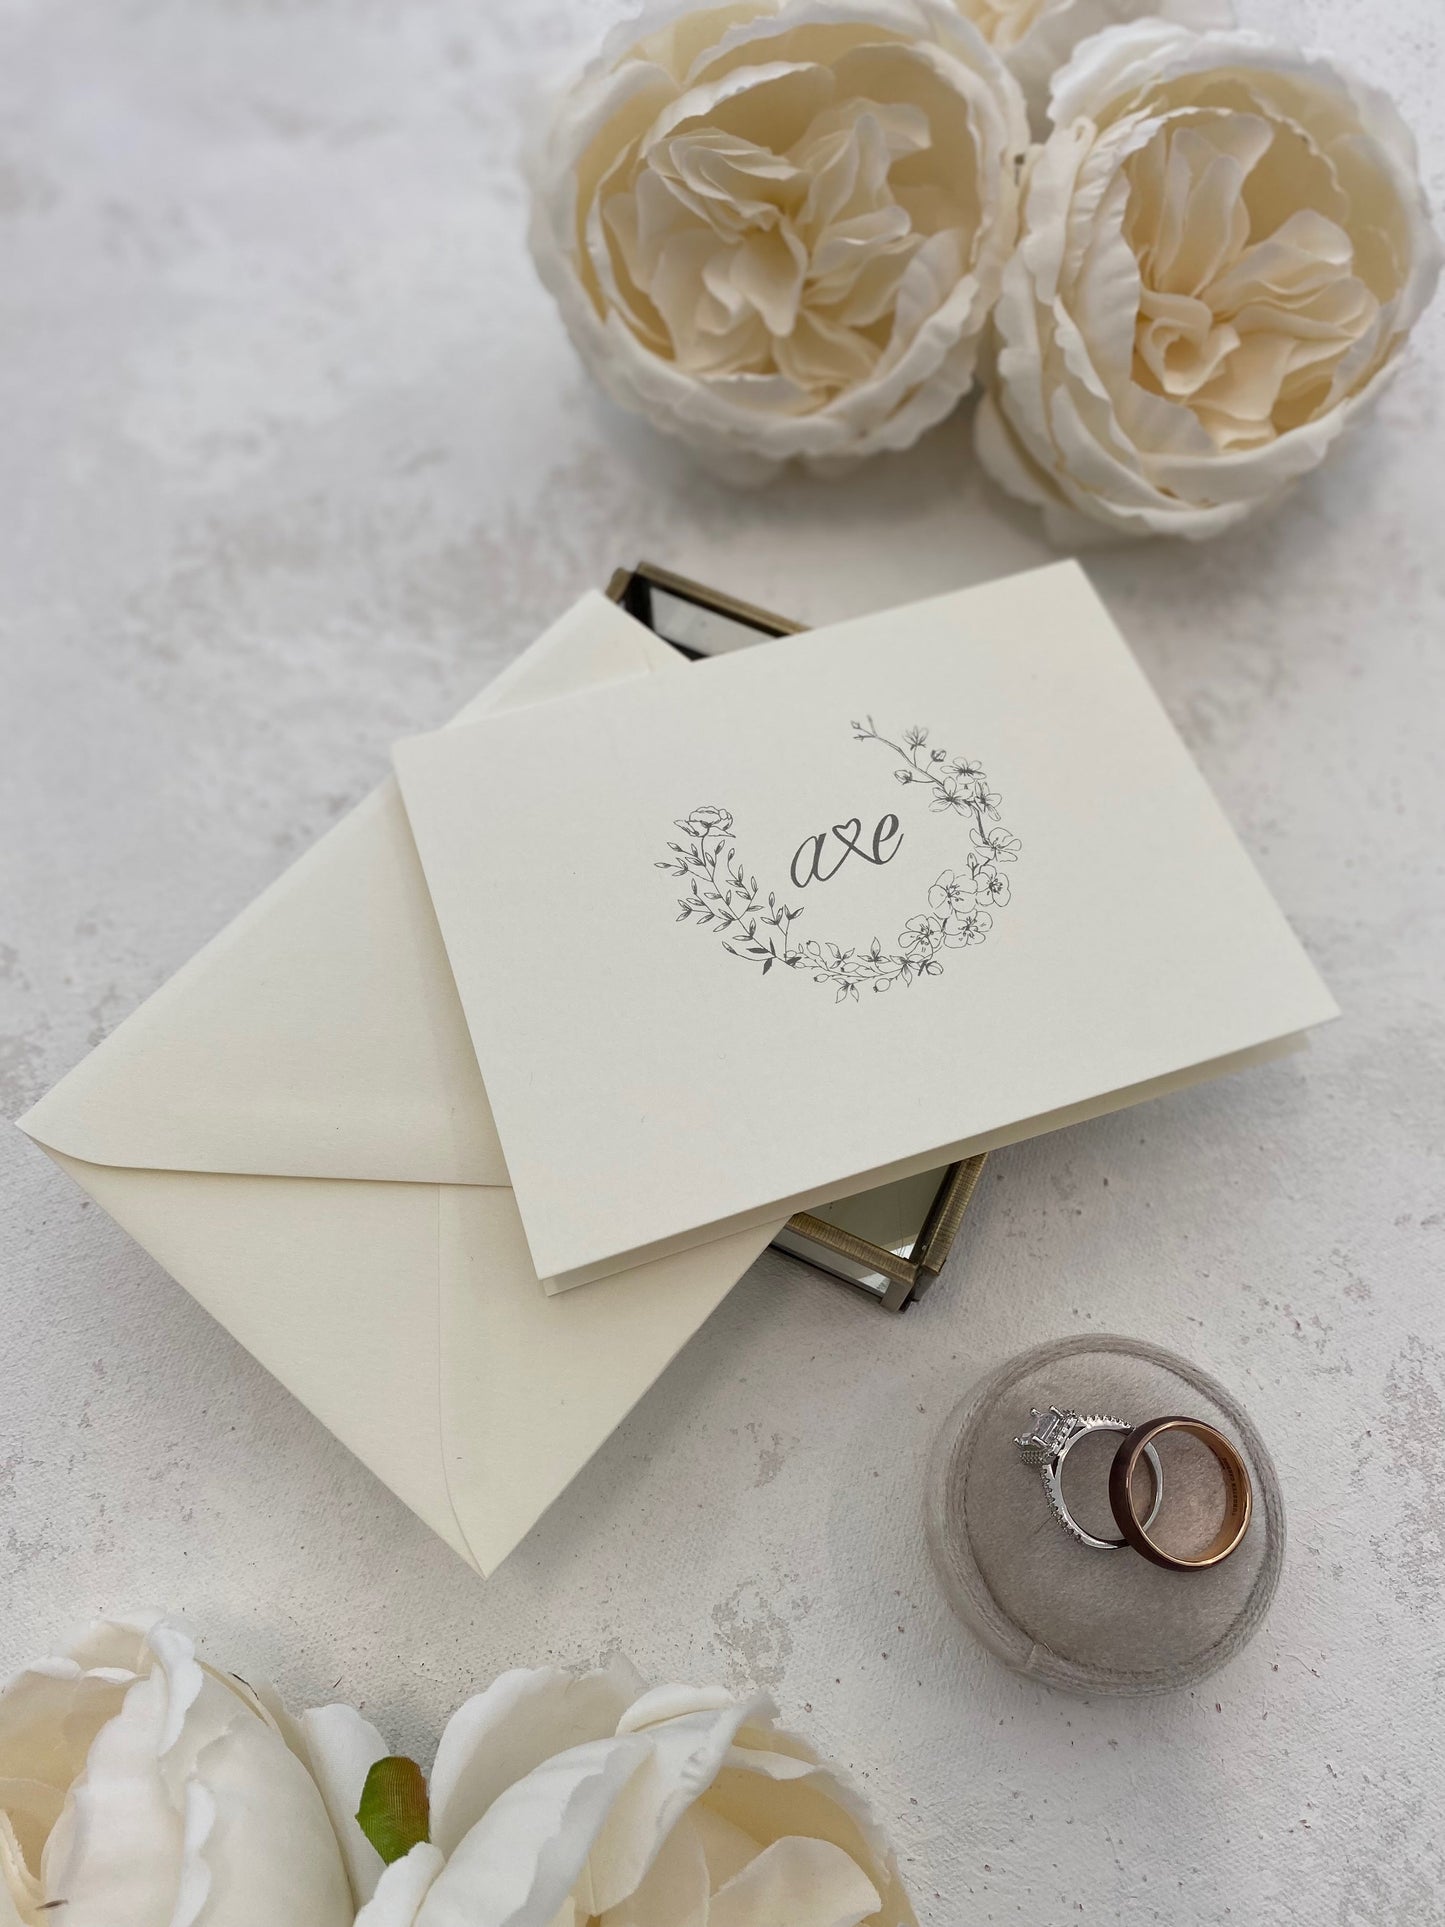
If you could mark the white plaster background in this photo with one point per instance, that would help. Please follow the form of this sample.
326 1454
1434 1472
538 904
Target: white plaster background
294 456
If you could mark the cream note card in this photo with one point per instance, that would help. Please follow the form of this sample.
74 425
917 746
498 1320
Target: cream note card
834 909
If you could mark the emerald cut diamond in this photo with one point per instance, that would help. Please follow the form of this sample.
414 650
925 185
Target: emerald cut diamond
1047 1434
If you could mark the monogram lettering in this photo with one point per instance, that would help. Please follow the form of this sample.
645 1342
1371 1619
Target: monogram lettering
956 913
809 865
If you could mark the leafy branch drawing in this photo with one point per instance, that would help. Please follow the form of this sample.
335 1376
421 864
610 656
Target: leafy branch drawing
719 893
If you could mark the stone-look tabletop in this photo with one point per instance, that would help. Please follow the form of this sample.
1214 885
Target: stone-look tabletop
295 456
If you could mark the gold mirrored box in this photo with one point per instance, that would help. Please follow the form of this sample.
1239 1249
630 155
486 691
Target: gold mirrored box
890 1242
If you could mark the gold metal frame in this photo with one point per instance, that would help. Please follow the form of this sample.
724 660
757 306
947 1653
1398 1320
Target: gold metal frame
907 1278
629 585
903 1281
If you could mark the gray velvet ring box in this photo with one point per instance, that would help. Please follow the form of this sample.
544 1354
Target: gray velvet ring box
1085 1621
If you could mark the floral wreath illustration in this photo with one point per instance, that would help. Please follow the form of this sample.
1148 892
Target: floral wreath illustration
722 896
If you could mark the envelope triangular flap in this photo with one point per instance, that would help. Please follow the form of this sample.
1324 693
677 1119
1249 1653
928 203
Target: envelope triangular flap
332 1286
320 1034
531 1385
407 1318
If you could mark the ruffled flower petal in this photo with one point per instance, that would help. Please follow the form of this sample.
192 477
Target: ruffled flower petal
342 1748
257 1843
522 1720
140 1787
807 1883
777 229
1036 37
521 1861
601 1803
685 1754
402 1888
1224 247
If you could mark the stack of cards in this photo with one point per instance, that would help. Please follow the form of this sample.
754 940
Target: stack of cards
806 918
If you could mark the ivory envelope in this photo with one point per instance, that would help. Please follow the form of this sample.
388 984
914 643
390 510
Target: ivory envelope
295 1127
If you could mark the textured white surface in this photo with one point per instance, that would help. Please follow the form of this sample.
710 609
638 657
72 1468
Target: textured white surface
295 456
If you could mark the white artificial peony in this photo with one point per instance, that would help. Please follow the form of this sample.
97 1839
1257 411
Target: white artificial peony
1036 37
1225 244
141 1788
587 1801
777 227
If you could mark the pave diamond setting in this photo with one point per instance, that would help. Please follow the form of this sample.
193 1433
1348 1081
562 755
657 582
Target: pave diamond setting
1046 1435
1045 1443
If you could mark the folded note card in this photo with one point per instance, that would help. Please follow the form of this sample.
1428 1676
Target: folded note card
737 940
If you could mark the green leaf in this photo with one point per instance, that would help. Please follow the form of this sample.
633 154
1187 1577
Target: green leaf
395 1813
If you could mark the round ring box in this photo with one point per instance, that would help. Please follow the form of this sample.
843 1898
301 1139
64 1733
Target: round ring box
1054 1610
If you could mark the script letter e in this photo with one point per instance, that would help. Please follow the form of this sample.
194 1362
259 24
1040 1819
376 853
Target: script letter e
887 831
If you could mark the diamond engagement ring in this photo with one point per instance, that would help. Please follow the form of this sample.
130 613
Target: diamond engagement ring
1050 1437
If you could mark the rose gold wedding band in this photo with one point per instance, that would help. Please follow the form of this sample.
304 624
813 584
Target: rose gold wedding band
1239 1501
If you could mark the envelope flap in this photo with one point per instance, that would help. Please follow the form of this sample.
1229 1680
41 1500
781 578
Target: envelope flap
531 1386
320 1034
409 1319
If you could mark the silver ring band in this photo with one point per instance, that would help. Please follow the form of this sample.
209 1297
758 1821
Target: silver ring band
1048 1441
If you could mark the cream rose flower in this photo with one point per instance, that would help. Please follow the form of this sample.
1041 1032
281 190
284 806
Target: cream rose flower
140 1788
777 227
563 1801
1225 245
1036 37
